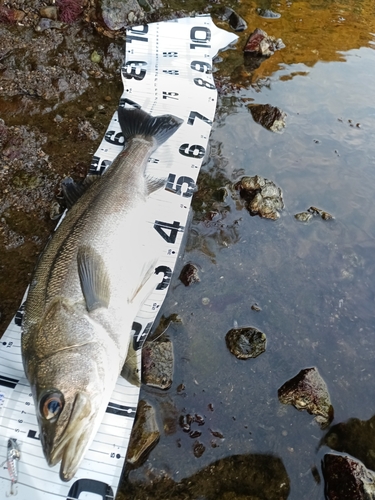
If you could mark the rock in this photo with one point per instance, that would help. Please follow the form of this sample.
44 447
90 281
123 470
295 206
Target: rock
270 117
119 13
86 130
308 391
145 434
262 196
304 216
354 437
157 363
50 12
307 216
347 478
47 24
11 16
235 21
259 44
239 477
189 275
246 343
268 14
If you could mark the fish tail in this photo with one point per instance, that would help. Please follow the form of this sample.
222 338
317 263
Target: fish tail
136 122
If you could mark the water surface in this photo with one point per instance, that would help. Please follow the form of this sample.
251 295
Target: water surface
314 282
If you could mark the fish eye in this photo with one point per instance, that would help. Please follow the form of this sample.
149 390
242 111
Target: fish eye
51 404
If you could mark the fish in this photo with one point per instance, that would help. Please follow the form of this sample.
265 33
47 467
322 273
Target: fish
13 456
91 279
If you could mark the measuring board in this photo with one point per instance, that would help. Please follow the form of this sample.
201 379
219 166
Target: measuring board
167 69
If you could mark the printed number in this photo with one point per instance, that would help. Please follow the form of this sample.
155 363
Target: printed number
203 83
139 30
134 69
170 95
173 229
114 138
191 186
171 71
203 67
194 151
138 337
95 163
194 114
170 54
199 41
167 271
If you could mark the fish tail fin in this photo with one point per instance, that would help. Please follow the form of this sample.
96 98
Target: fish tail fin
136 122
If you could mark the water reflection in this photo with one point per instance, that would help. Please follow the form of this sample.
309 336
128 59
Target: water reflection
236 477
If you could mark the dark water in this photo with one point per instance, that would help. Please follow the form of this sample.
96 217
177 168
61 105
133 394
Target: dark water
314 283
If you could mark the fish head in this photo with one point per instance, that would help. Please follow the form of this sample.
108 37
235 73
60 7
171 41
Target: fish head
71 385
69 409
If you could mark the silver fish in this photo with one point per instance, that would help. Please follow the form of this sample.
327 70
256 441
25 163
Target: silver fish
13 456
91 279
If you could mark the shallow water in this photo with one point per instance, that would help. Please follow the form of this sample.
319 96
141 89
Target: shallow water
314 282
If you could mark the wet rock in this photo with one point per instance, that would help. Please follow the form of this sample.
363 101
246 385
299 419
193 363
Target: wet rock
157 363
256 308
308 391
267 14
347 478
307 216
317 211
189 275
235 21
240 477
259 44
270 117
198 449
145 434
303 216
11 16
262 196
50 12
86 130
354 437
118 13
246 342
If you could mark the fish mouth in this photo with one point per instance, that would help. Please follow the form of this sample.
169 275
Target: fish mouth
75 439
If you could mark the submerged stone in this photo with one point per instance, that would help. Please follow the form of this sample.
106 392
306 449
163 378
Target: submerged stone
270 117
157 363
259 44
246 342
347 478
189 275
303 216
308 391
268 14
262 196
144 436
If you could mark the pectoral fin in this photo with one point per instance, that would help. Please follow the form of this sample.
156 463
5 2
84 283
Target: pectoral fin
130 370
93 277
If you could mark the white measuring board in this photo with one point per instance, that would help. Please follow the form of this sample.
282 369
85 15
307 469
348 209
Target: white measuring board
167 70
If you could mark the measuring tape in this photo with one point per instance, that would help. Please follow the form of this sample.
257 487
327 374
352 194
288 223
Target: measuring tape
167 70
